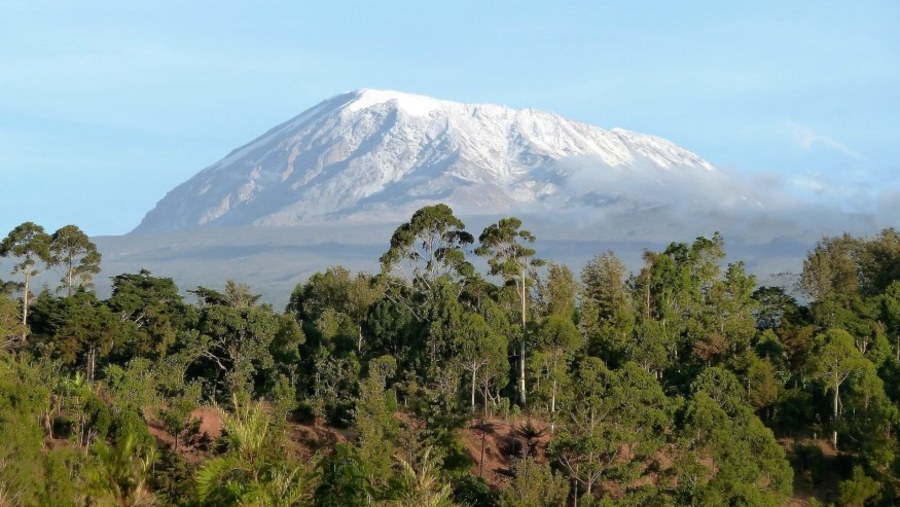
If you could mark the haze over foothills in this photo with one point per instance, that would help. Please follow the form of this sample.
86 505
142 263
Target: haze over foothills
105 108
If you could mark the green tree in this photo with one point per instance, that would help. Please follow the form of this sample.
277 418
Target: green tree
478 348
869 417
139 383
428 247
24 396
607 310
74 251
235 341
332 387
728 457
176 416
374 419
89 331
152 309
616 410
343 480
834 360
890 314
830 277
557 341
534 484
509 258
420 486
286 345
773 307
558 292
879 262
763 384
731 308
723 387
338 291
11 327
236 295
28 245
859 489
676 285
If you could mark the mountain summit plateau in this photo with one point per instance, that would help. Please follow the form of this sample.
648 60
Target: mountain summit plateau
375 155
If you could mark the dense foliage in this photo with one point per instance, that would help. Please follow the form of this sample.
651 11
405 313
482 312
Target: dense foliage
431 384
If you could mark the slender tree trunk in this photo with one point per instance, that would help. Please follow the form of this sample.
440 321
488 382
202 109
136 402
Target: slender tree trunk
588 482
473 391
486 393
553 407
834 418
92 354
69 278
481 462
575 504
25 308
554 388
522 396
81 431
647 301
48 422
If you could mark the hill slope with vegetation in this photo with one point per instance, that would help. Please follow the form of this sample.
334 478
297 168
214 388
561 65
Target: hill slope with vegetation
430 383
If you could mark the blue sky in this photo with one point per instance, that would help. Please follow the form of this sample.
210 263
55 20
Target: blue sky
105 106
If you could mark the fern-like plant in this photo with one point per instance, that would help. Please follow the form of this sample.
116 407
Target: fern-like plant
243 476
121 475
421 488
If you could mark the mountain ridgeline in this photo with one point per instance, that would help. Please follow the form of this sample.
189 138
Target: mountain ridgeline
375 156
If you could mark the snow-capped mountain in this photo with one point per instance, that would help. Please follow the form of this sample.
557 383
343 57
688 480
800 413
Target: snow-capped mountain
373 155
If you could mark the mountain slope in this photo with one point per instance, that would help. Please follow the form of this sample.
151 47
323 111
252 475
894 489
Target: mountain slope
372 155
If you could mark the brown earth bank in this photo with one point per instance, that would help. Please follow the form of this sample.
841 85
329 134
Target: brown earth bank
493 445
305 440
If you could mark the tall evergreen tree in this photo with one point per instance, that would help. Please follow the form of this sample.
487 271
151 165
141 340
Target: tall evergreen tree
505 242
478 348
607 316
833 361
74 251
428 247
29 245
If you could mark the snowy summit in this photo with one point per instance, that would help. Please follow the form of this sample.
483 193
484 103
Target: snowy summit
374 155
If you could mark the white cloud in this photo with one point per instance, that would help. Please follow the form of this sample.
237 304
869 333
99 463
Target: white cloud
805 137
639 202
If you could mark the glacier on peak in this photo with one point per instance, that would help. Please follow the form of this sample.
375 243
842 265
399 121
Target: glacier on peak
374 155
415 105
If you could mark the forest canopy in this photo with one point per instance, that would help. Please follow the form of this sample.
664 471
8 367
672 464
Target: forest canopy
431 383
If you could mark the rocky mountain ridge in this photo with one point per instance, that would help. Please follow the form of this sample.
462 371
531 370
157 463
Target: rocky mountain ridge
374 156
